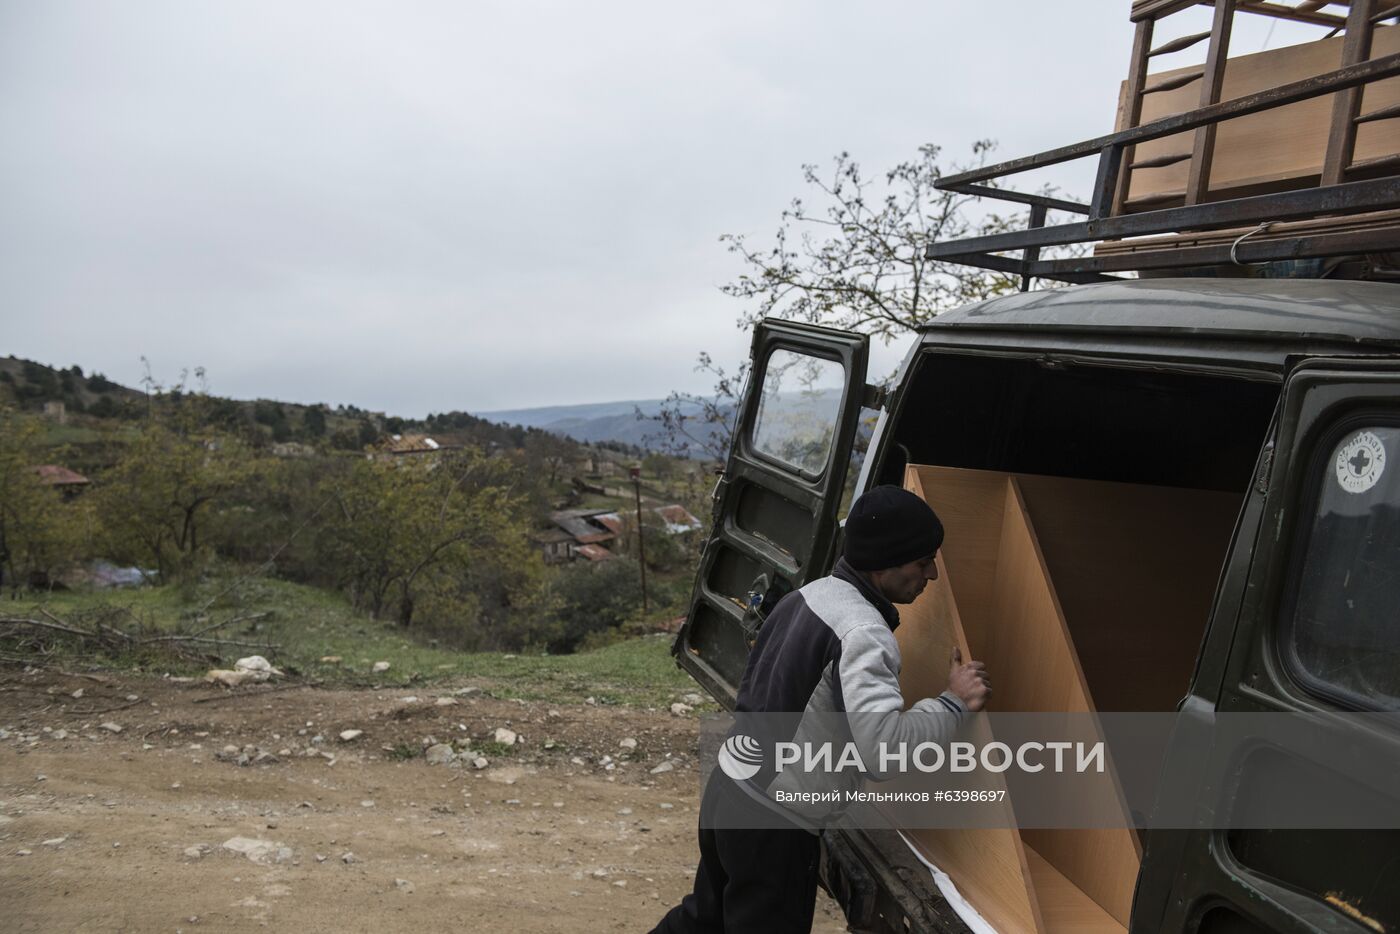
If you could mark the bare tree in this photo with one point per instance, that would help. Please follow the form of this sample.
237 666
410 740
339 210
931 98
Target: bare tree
852 258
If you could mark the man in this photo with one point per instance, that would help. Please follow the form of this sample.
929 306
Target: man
829 646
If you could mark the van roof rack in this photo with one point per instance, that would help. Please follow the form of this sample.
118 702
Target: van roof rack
1346 206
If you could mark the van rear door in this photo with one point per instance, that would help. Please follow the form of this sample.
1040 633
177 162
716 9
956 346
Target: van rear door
775 522
1304 621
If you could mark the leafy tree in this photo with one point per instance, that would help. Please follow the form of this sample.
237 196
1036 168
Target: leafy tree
99 383
368 432
39 531
342 439
314 420
588 598
548 453
410 526
158 502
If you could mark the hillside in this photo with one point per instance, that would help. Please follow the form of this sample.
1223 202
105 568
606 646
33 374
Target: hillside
31 385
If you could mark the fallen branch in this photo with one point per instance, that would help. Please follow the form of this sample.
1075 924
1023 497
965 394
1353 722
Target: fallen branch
39 624
104 636
260 692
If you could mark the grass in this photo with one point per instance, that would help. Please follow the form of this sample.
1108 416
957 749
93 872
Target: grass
306 624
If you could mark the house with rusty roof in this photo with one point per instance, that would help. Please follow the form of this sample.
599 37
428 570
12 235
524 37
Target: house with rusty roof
678 519
409 446
67 482
579 533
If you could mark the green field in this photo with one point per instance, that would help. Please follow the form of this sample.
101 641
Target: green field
304 624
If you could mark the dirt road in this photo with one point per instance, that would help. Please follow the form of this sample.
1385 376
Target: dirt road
139 830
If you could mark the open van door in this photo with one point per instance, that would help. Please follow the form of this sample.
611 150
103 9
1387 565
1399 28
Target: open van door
1304 621
775 523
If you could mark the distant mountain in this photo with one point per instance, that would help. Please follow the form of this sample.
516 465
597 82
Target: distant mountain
547 415
598 421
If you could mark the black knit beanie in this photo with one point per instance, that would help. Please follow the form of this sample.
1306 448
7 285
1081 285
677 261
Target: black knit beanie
889 526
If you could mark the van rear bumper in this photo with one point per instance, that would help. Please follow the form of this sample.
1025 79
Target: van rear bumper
882 886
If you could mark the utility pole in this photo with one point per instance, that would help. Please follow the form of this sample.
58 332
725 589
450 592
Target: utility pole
636 473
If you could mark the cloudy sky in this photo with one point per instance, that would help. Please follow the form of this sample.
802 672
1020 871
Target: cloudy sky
419 206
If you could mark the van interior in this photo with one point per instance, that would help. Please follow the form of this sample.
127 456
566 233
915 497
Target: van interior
1088 512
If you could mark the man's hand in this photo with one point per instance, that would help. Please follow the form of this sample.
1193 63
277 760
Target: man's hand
969 682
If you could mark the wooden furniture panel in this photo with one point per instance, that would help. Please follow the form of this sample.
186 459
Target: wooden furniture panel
1273 150
1035 667
969 503
987 865
1075 593
1062 905
1135 569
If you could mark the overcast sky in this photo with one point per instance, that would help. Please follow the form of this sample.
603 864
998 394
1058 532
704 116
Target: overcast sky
420 207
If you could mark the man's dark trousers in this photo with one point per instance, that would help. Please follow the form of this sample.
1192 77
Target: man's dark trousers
748 880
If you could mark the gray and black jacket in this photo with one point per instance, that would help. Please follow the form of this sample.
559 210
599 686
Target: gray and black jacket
829 648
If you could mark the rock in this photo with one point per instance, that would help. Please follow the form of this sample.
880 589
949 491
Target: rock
505 776
577 761
694 700
349 858
621 883
470 689
76 694
549 744
330 659
480 762
445 702
606 760
591 701
60 734
133 698
441 754
623 812
259 851
628 743
666 766
264 758
379 667
55 841
367 803
228 678
194 852
349 736
600 873
24 852
260 668
110 727
320 857
403 885
504 736
680 710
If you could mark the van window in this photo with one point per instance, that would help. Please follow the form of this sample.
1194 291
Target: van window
1345 628
798 409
